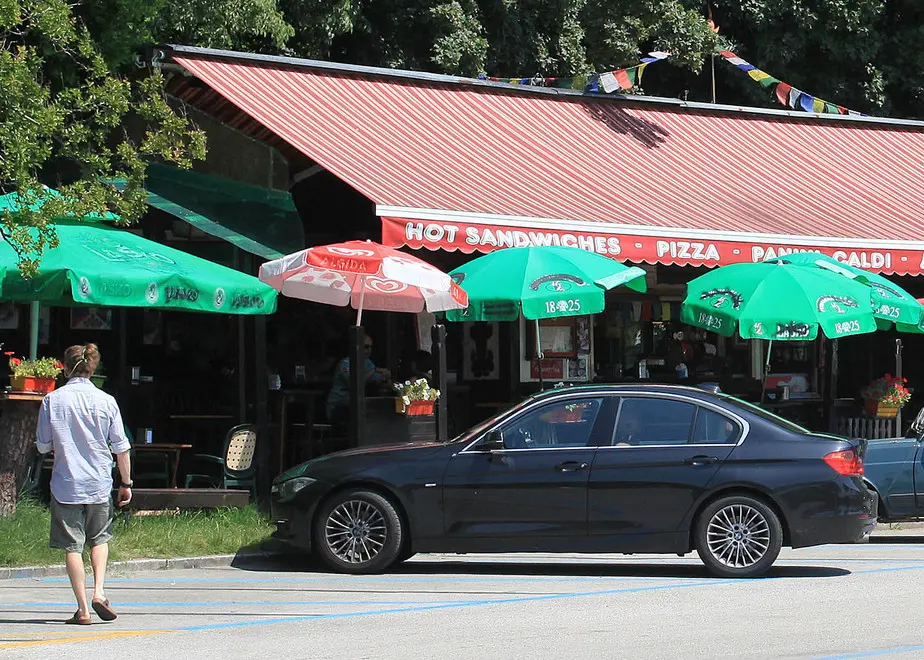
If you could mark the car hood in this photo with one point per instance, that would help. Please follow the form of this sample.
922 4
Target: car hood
364 455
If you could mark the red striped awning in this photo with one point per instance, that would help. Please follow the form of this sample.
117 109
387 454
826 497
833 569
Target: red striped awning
477 166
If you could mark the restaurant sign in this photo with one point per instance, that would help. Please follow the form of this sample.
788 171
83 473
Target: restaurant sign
674 249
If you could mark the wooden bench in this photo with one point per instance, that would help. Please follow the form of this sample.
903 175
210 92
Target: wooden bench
156 499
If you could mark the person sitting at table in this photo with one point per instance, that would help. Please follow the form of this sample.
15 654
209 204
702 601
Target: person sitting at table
338 400
416 364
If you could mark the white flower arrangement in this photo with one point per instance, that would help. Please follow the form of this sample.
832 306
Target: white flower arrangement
416 390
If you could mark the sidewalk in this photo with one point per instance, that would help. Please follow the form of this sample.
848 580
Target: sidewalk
903 532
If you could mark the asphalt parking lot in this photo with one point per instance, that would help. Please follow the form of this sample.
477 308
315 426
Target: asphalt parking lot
832 602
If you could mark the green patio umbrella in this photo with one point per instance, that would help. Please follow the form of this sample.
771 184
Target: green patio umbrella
891 303
779 301
541 282
95 264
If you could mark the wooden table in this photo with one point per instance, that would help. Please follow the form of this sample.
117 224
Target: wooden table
166 448
312 400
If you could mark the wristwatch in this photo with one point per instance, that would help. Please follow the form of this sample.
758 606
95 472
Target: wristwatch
126 484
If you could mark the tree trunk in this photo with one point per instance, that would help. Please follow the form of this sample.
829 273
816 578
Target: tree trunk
17 439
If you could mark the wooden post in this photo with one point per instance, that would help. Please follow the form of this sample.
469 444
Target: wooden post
18 414
898 374
357 386
438 334
264 475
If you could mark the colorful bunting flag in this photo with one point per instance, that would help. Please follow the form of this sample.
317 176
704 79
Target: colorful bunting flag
786 94
610 81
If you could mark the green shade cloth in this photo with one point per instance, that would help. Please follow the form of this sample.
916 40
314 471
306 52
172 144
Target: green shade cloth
779 301
891 303
258 220
545 282
95 264
10 203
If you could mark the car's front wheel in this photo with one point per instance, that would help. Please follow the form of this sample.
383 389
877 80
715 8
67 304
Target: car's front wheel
738 537
358 531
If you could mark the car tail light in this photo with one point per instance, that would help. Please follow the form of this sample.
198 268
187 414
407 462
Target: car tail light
845 462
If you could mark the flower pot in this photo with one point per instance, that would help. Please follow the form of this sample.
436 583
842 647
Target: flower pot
878 409
32 384
414 408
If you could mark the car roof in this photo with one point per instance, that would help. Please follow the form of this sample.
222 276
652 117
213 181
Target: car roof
612 389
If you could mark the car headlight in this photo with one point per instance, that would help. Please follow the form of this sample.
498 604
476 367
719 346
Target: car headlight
288 489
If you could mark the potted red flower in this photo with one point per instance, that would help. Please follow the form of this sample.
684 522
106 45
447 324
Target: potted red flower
885 396
37 375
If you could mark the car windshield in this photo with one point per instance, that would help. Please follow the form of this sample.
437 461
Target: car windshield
765 414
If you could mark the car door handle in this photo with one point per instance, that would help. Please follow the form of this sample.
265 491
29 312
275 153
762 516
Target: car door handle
571 466
701 460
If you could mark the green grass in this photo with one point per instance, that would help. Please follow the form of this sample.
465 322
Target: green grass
24 537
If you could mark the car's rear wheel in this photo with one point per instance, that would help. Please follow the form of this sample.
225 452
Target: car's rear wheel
358 531
738 536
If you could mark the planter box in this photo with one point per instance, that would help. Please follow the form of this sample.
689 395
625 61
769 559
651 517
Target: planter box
877 409
415 407
32 384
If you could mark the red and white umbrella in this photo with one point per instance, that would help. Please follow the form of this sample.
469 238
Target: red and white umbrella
365 275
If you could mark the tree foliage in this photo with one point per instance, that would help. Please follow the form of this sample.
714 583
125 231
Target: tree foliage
498 37
69 84
858 53
62 113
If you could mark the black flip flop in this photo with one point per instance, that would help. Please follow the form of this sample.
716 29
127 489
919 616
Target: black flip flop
103 611
77 620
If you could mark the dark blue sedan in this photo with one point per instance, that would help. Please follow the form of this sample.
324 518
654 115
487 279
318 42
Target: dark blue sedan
627 469
895 470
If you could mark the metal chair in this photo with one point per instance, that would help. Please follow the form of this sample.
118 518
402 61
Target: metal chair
33 479
237 464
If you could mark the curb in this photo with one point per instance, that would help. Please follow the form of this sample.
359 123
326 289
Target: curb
138 565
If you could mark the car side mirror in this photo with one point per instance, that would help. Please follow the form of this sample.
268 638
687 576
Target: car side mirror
493 441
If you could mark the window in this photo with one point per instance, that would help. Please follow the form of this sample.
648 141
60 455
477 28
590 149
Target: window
654 421
714 429
566 423
764 414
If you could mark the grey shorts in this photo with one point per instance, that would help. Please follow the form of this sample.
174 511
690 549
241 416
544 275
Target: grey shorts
74 525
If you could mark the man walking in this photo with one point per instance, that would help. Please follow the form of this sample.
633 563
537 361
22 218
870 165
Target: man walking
83 425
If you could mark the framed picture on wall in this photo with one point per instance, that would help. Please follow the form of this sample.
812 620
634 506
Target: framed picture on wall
44 336
9 316
577 368
91 318
557 337
481 351
153 329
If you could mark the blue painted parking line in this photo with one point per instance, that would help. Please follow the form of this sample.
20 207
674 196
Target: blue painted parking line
447 606
874 653
349 579
236 603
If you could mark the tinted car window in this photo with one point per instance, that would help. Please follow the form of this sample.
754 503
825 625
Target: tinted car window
561 424
765 414
714 429
654 421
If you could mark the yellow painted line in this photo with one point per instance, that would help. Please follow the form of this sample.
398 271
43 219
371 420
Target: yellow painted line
86 637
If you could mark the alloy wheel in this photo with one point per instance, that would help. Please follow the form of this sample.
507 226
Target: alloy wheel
355 531
738 536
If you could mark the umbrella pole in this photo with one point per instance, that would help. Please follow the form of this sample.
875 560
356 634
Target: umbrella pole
362 298
34 313
539 356
765 372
